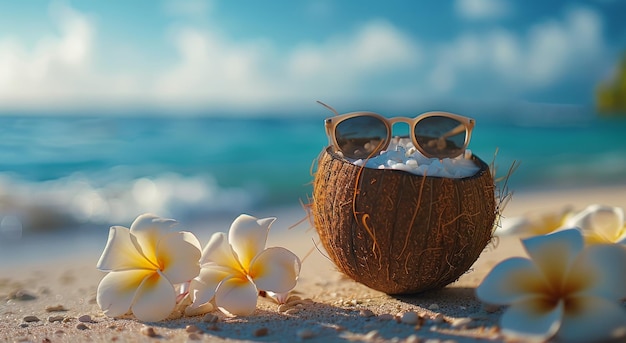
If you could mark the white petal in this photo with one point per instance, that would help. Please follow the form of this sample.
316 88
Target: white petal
236 296
147 229
599 271
554 254
203 287
218 251
511 281
532 319
121 254
606 221
276 270
592 319
179 256
155 299
248 236
117 289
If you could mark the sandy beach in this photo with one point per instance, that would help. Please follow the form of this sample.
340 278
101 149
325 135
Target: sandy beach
53 299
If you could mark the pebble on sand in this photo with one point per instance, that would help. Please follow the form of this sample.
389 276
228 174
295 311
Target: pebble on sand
192 328
21 295
148 331
30 319
82 326
57 308
210 318
260 332
85 318
410 317
53 319
366 313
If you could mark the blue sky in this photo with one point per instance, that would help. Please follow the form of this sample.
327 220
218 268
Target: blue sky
264 56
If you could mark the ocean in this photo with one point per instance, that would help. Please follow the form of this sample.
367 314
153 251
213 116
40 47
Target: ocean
73 173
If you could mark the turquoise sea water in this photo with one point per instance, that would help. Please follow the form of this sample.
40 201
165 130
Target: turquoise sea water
60 172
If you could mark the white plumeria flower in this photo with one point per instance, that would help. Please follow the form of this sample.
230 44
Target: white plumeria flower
564 289
600 224
235 268
145 262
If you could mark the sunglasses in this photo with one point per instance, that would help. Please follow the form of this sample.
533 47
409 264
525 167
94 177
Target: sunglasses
435 134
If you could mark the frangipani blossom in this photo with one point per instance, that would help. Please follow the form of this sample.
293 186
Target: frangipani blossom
235 268
145 262
600 224
536 223
564 289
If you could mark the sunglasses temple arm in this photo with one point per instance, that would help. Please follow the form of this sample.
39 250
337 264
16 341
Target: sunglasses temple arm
456 130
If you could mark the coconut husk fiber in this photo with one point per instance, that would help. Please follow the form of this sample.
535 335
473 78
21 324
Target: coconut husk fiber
398 232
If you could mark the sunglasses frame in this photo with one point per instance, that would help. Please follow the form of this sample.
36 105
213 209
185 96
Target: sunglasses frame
331 124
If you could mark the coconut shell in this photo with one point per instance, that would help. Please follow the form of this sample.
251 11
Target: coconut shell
398 232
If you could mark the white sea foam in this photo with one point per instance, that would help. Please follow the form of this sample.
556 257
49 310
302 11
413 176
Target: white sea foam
402 155
77 200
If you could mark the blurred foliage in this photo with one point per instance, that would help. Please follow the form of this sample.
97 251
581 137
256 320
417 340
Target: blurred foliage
611 94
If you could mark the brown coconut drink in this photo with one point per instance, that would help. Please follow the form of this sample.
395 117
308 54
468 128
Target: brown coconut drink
390 228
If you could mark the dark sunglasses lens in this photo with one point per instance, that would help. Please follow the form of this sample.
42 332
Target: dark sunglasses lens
440 136
361 137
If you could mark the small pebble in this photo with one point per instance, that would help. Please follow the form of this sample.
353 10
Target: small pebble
148 331
461 322
59 332
386 316
260 332
85 318
82 326
30 319
210 318
192 328
433 307
24 325
57 308
366 313
53 319
410 318
21 295
46 340
305 334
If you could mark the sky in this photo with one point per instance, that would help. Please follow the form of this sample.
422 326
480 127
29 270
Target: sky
218 56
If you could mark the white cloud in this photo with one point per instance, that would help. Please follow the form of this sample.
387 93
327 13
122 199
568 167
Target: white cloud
213 71
547 53
481 9
376 48
59 71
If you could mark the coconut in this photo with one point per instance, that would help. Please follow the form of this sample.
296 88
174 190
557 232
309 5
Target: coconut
398 232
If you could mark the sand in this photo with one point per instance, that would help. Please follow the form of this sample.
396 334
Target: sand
59 294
